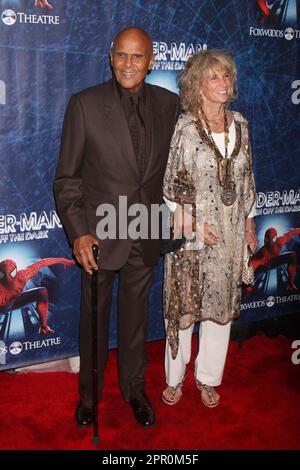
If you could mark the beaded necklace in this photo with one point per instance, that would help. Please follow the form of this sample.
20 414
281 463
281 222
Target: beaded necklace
225 164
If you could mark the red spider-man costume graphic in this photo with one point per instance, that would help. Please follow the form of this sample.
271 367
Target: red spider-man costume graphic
269 256
267 16
12 283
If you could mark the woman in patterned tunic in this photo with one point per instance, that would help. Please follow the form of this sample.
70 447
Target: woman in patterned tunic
209 180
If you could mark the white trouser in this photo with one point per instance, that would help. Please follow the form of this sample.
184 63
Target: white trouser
210 361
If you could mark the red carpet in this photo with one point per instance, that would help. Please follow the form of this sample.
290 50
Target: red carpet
259 408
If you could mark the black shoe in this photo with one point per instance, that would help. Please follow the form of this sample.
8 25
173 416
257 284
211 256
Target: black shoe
83 415
142 410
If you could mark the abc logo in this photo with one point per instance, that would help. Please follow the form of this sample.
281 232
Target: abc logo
15 348
9 17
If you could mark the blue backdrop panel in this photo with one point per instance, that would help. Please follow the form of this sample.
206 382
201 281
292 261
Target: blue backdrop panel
45 56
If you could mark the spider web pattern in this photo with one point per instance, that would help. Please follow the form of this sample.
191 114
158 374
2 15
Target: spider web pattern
42 65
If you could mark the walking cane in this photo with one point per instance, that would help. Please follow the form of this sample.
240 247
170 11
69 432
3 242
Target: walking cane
96 438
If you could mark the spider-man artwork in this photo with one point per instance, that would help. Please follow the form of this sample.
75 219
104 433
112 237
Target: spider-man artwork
272 255
42 4
278 11
17 3
13 293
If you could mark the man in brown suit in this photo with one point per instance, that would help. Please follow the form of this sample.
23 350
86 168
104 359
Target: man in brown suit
115 141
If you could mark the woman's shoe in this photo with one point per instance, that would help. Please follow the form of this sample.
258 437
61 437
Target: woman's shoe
209 396
172 395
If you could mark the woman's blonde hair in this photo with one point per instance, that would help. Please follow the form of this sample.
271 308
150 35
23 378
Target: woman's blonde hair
196 70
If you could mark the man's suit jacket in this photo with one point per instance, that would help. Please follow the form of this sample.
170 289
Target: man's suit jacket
97 164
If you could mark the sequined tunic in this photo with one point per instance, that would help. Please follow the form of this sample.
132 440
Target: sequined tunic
205 284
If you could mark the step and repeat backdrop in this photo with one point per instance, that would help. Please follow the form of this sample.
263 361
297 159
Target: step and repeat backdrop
48 53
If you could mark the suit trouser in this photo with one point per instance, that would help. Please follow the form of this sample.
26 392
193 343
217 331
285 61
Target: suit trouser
210 361
134 284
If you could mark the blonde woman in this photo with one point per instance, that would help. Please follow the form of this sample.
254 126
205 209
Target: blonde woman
209 167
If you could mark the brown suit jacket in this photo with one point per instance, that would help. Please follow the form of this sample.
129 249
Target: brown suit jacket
97 163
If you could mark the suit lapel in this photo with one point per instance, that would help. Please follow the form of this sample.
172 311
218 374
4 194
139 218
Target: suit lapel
117 125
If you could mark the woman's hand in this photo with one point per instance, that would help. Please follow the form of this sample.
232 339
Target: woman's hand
210 235
185 224
251 240
250 235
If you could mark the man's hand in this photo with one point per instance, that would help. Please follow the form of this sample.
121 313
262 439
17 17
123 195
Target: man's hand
43 4
82 249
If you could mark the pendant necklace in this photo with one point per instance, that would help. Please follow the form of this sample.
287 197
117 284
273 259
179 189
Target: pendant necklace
225 164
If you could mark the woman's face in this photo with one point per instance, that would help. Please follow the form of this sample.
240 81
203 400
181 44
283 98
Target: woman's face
217 86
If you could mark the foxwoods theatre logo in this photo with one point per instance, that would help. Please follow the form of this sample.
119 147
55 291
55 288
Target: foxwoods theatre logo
173 56
279 19
270 301
16 347
10 17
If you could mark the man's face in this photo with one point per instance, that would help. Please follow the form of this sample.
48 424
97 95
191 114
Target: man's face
131 58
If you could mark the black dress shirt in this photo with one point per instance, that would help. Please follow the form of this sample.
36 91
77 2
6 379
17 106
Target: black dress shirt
137 110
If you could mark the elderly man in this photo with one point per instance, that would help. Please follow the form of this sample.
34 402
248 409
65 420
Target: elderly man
115 142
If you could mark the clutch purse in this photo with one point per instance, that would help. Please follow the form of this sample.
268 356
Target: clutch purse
170 245
247 269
